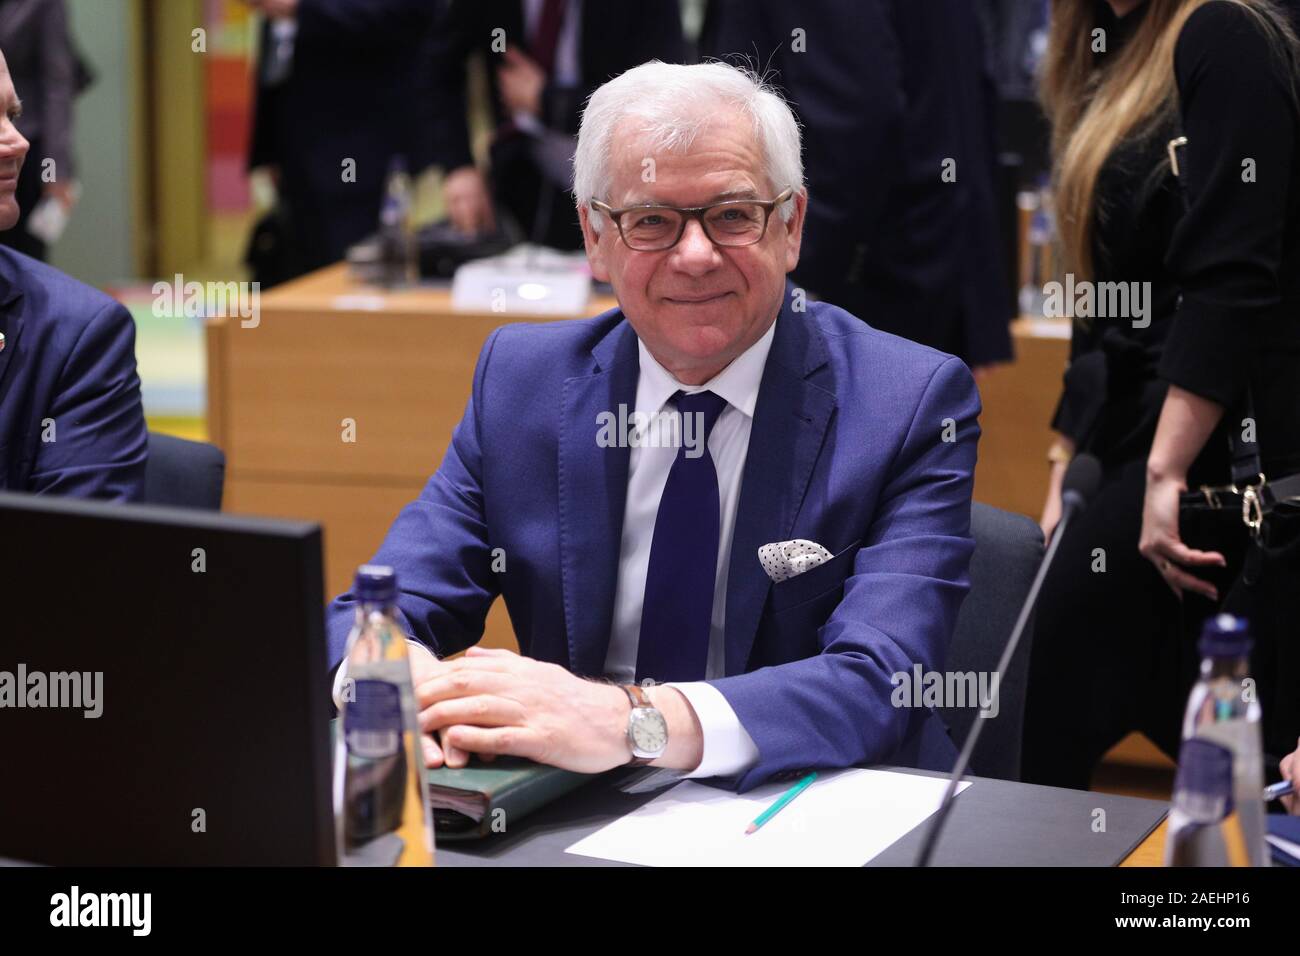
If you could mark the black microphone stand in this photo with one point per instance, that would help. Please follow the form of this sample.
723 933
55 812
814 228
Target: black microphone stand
1070 503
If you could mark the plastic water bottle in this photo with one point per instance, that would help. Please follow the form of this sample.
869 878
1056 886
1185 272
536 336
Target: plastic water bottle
1205 828
1222 747
397 247
381 802
1035 267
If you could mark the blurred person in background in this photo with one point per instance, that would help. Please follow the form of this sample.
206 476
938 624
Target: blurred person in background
71 419
1017 35
545 58
1156 396
334 84
44 65
897 106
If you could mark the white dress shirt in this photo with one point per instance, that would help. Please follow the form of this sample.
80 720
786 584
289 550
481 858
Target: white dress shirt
728 748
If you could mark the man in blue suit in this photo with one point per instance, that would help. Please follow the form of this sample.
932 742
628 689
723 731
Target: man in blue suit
71 422
616 478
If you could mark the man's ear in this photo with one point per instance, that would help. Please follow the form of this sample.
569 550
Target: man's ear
595 254
794 230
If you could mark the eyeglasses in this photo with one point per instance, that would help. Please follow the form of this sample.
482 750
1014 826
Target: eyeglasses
732 222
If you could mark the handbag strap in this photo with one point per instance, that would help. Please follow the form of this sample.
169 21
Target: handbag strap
1246 464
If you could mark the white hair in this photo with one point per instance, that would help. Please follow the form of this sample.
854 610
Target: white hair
671 104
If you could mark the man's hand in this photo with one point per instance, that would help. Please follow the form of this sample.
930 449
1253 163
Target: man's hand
1160 542
425 667
63 192
469 206
521 81
496 702
1290 768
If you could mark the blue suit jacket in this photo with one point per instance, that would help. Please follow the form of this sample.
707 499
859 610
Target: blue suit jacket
847 448
69 358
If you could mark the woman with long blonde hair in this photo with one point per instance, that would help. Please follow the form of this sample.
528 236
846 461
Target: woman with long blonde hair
1177 191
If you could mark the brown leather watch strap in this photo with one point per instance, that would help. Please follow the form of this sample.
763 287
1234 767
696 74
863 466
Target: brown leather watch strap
637 695
639 698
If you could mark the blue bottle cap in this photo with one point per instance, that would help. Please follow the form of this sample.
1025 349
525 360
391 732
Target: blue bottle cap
376 583
1225 636
1205 769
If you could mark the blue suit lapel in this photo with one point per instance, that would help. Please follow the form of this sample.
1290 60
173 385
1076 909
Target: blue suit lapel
11 319
593 492
790 422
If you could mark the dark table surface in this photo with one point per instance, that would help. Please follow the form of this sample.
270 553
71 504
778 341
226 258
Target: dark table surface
992 823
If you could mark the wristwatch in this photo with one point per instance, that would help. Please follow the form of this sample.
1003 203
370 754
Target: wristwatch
647 731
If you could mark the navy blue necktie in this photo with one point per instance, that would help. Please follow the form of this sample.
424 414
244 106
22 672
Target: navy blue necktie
678 605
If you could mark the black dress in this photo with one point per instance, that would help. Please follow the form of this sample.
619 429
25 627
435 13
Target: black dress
1112 648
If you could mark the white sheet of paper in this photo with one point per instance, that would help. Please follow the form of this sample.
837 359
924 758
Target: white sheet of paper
844 818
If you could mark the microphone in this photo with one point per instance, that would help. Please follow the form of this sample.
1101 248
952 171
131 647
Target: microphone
1078 487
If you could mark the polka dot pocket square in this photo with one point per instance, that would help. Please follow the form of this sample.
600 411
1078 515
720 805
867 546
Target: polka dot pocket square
783 560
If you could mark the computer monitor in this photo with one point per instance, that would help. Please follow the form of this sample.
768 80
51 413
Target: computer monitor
163 690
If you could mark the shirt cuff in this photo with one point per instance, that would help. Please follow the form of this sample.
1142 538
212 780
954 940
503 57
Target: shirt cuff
341 675
728 748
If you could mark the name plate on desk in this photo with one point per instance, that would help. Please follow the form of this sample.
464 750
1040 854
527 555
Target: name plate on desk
527 280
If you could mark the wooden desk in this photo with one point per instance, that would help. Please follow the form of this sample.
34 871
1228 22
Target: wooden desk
1019 400
1151 851
329 353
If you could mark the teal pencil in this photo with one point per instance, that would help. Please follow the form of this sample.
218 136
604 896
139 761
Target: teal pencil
785 798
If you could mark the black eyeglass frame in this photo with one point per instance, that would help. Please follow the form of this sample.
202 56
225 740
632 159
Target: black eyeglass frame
694 212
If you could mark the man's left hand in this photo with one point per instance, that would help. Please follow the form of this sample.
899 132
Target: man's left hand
521 82
493 701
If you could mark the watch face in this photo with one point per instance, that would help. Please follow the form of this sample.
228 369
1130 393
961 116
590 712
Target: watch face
649 732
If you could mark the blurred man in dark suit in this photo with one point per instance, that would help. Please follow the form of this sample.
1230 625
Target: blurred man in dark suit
334 107
897 108
71 422
545 58
1017 39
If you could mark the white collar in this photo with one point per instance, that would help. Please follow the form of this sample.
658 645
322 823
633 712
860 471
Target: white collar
738 383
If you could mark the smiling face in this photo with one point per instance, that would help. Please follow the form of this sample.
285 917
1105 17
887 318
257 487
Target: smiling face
13 149
696 306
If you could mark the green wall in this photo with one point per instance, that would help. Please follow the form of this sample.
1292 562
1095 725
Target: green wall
98 246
